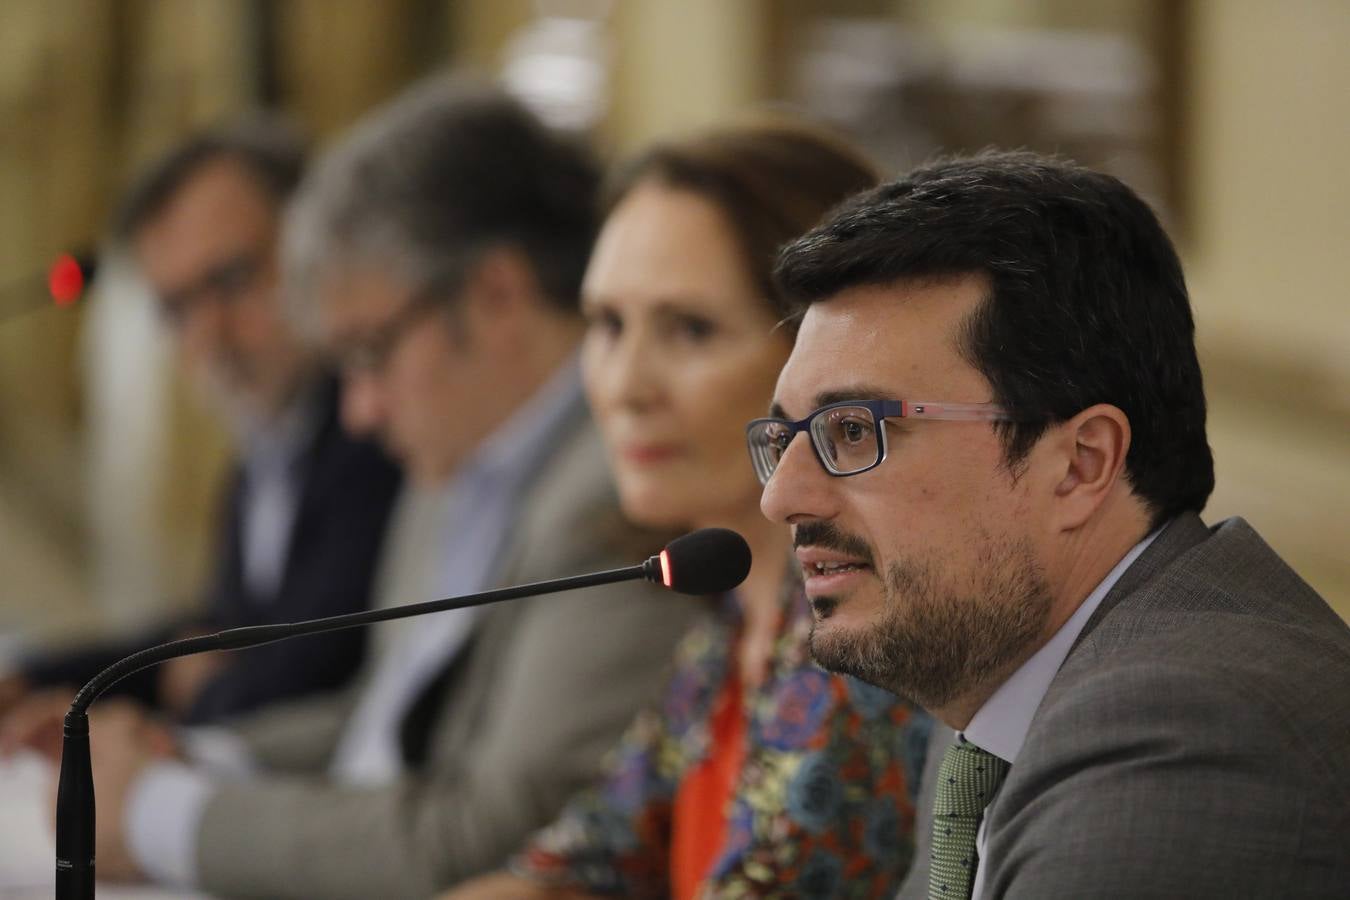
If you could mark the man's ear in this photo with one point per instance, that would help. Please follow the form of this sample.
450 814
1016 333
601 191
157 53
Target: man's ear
500 293
1090 450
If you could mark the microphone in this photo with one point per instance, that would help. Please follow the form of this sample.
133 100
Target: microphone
709 561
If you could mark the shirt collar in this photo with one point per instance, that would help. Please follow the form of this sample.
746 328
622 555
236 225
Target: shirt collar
511 452
1001 724
284 439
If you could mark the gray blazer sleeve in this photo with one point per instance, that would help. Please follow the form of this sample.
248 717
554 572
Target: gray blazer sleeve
1153 782
575 669
298 736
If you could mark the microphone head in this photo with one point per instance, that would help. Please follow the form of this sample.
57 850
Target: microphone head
69 276
707 561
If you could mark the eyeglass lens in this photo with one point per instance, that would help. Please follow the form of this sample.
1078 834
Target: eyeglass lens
845 438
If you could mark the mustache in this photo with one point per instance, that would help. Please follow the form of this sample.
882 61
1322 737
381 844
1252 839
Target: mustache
827 536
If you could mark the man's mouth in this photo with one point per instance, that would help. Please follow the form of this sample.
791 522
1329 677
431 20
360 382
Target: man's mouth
832 561
831 568
827 572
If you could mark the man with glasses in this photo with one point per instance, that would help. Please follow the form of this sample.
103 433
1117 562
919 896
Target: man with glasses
305 506
1142 706
437 254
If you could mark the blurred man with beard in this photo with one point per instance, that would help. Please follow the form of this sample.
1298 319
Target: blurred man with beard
305 506
995 506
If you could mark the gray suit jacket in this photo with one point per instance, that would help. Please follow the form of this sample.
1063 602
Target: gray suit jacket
543 689
1195 743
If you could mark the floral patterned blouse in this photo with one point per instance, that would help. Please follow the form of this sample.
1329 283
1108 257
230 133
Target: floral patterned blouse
824 801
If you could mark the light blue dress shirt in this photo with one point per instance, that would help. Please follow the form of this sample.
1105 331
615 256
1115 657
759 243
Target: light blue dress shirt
270 500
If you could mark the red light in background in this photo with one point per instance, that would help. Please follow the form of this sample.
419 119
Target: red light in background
65 280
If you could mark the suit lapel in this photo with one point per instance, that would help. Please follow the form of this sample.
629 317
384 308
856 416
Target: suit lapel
311 471
418 729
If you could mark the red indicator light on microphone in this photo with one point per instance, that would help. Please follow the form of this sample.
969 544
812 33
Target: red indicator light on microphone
65 280
665 568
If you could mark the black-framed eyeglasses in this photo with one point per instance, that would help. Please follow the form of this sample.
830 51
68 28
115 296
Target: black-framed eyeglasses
224 282
848 437
369 354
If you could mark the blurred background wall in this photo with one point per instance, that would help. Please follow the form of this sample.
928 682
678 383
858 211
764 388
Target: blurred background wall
1230 115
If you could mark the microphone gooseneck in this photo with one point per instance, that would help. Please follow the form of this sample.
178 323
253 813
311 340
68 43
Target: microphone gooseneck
710 561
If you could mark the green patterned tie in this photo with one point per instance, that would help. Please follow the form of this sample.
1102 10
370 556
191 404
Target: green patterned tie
967 781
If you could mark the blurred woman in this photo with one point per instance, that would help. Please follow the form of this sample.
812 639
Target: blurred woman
758 772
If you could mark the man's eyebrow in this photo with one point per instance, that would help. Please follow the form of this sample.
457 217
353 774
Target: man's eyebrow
838 395
853 392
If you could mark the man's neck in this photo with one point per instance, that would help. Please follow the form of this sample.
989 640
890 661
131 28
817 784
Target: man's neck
533 400
549 345
1088 555
287 412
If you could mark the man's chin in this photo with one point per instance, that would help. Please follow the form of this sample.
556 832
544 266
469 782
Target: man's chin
240 408
834 646
853 648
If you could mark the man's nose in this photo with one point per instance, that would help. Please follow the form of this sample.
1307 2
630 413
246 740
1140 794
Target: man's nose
201 329
799 487
362 403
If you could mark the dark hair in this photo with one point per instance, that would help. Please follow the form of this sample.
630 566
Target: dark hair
1087 302
269 149
771 178
448 170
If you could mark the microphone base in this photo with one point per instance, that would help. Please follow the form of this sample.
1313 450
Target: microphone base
75 813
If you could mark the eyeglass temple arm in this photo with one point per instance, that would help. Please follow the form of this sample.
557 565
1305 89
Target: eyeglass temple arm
951 412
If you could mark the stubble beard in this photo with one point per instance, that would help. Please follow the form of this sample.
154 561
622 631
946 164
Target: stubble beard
223 388
932 643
